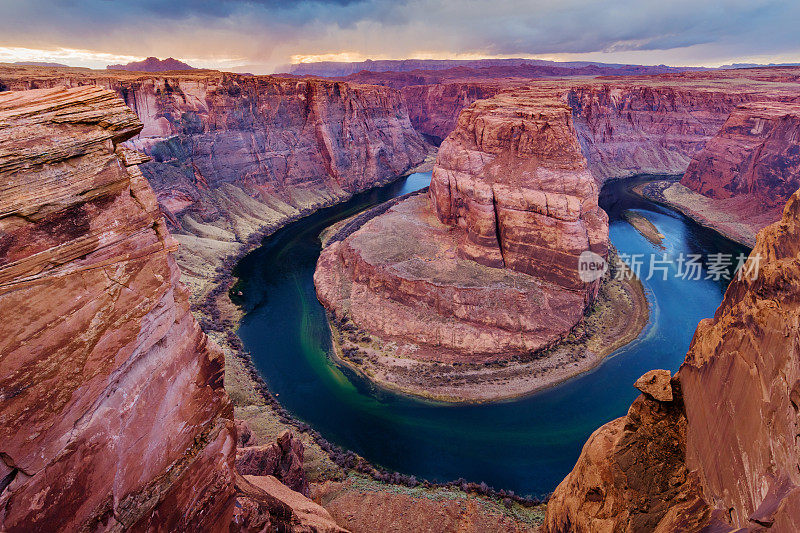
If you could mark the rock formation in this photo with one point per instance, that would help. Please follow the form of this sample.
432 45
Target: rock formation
266 504
492 268
282 459
738 183
113 414
741 377
434 109
723 453
647 127
497 68
512 175
152 64
626 125
236 155
756 153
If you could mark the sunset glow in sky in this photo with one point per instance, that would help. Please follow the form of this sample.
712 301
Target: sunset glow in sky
261 35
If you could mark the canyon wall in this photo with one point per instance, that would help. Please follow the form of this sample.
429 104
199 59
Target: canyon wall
721 451
756 153
626 125
741 383
645 128
235 155
113 409
434 109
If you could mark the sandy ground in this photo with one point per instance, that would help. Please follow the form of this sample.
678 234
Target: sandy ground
645 227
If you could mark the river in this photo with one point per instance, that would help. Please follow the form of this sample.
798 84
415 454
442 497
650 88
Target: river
526 445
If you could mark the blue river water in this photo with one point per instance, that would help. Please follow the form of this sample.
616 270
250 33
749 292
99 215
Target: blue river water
526 445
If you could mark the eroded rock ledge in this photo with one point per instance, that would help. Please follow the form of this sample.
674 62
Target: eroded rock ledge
484 268
114 415
721 454
114 412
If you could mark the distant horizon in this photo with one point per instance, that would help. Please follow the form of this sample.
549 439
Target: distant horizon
286 68
261 36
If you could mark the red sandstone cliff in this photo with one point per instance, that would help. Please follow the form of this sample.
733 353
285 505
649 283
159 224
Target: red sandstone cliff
641 127
512 175
756 153
491 270
113 412
236 155
275 139
722 453
626 125
433 109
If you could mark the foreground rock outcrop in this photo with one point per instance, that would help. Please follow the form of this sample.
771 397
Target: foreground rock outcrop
722 454
113 411
492 269
282 459
114 415
266 504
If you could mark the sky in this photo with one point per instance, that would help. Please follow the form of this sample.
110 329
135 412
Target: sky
260 36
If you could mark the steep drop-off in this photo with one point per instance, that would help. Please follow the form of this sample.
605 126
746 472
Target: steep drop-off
739 182
434 108
721 453
234 156
756 153
113 412
512 175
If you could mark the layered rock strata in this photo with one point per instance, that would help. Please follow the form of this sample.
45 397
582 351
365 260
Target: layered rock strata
649 127
236 155
737 184
626 125
282 459
756 153
512 175
434 108
722 453
113 409
485 266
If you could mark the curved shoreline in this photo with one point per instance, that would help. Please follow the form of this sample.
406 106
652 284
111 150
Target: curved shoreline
325 462
303 236
653 191
621 303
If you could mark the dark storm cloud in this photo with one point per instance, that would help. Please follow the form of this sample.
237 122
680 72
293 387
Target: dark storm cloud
271 31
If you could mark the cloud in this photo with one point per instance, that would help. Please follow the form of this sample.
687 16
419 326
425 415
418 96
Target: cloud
265 33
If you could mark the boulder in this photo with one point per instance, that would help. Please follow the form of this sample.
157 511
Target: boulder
656 384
